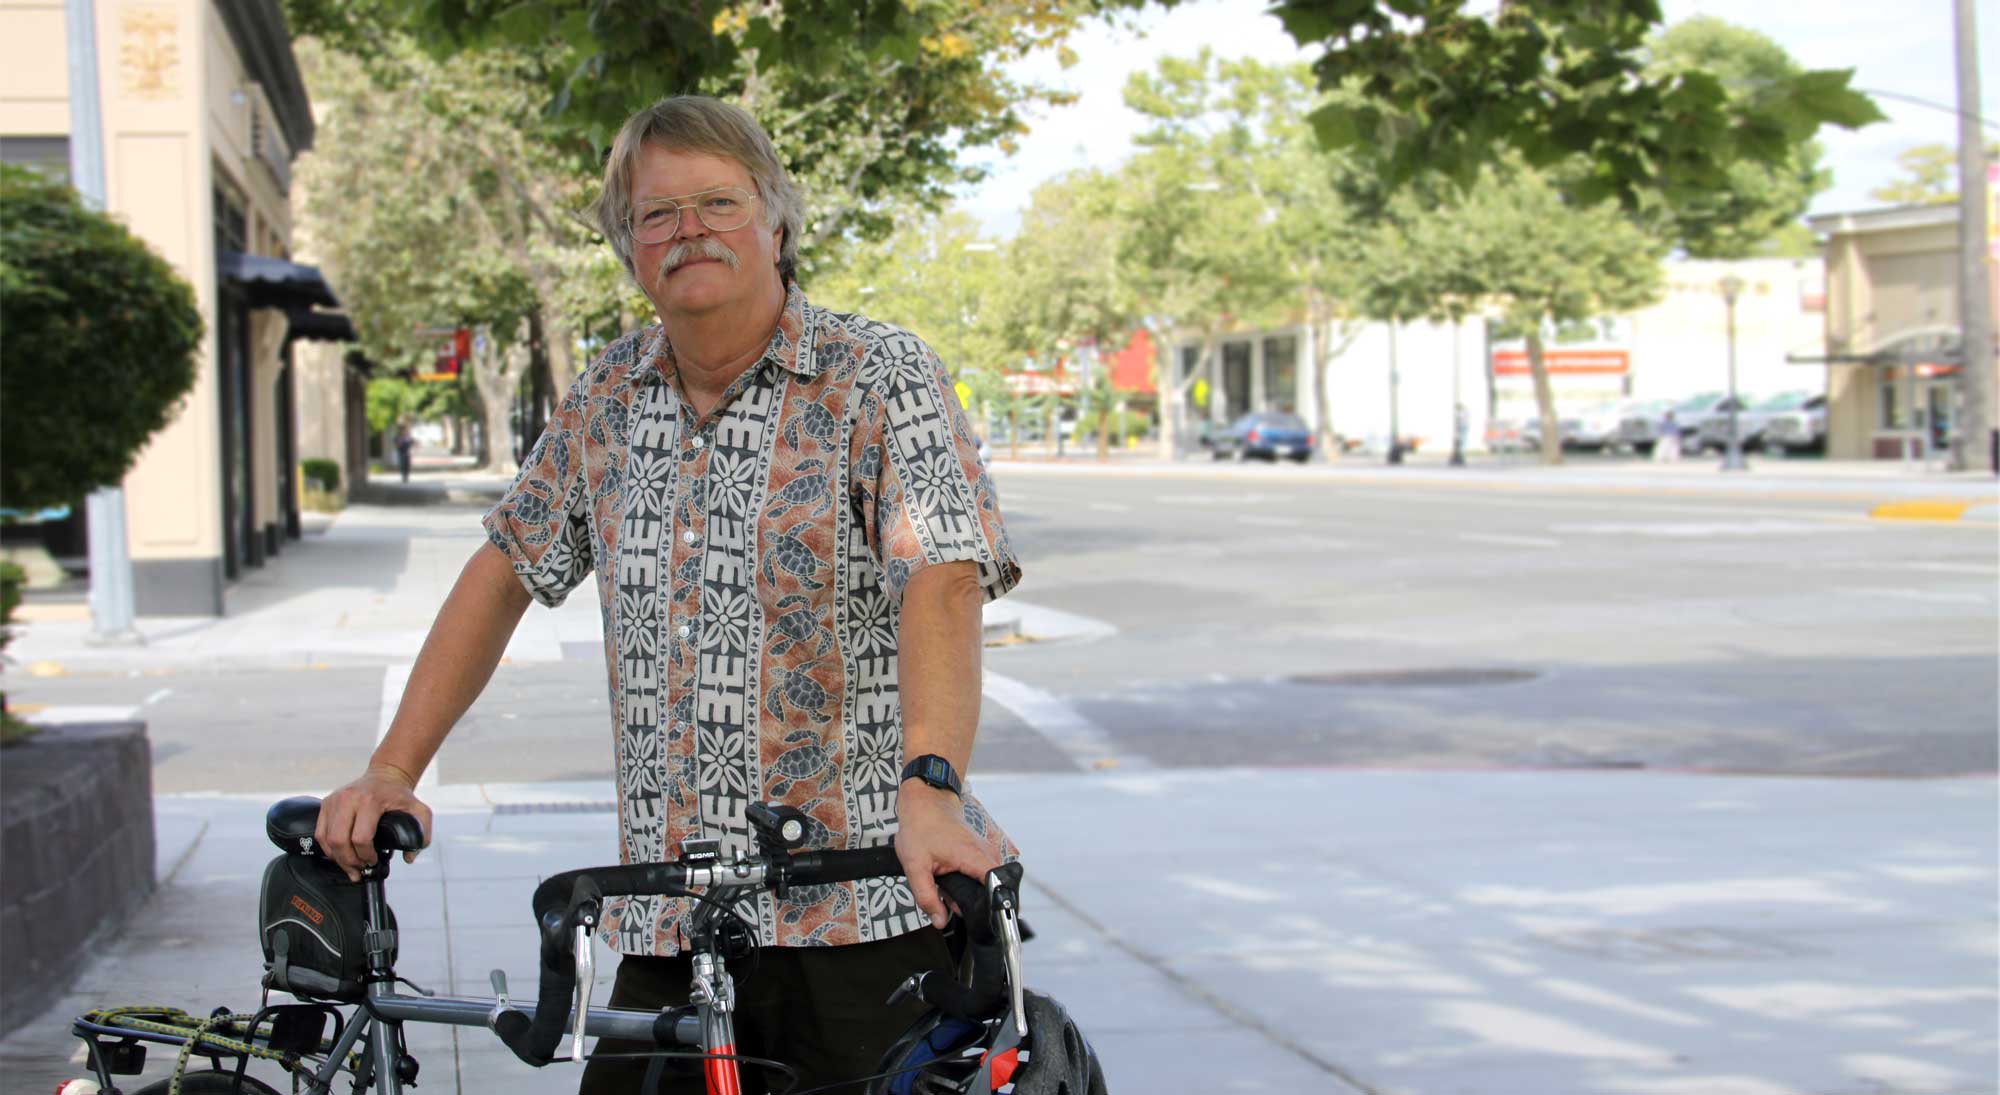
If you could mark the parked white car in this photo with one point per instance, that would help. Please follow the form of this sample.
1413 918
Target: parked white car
1751 421
1798 429
1596 427
1639 426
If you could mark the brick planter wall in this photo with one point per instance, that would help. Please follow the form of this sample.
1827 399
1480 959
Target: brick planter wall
76 854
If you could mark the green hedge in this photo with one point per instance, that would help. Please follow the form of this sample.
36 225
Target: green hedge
100 343
325 472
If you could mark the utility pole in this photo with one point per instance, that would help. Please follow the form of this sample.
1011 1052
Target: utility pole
111 608
1975 442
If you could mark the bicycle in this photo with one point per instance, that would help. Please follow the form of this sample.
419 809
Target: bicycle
988 1014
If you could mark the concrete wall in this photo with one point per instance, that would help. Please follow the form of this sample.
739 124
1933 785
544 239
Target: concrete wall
76 834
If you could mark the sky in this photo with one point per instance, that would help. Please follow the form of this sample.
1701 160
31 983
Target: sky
1904 48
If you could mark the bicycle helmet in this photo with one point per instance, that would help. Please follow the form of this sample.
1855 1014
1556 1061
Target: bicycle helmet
944 1055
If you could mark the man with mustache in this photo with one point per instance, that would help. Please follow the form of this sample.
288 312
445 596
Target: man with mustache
792 535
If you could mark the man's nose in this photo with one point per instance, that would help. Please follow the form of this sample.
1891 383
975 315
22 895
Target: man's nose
689 226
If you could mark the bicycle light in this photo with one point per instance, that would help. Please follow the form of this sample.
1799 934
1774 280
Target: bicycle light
778 826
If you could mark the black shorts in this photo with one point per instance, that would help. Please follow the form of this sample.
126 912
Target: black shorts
822 1010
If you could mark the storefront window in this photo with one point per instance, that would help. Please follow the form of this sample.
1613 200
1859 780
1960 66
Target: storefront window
1281 373
1892 414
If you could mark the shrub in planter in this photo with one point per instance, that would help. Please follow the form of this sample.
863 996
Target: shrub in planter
101 336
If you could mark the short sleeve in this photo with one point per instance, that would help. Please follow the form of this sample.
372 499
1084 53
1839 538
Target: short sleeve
543 523
924 495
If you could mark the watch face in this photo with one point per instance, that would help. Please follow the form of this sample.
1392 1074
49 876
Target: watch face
934 770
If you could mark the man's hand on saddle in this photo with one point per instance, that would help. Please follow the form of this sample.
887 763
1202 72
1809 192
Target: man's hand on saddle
932 838
348 816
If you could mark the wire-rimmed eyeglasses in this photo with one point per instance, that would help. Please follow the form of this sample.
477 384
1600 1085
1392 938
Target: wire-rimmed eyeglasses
720 210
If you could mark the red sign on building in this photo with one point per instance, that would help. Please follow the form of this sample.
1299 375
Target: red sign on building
1565 362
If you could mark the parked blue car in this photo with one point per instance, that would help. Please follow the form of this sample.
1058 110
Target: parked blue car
1265 434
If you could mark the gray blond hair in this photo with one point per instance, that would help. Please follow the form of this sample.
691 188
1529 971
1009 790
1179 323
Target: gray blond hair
698 123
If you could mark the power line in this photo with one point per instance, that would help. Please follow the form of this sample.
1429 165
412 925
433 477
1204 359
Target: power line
1931 103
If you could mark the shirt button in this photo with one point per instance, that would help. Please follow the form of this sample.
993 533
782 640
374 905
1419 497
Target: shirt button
684 630
698 441
688 536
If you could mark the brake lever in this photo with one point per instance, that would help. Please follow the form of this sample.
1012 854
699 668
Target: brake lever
586 973
1005 902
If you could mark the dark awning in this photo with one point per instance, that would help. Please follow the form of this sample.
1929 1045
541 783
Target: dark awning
275 283
314 326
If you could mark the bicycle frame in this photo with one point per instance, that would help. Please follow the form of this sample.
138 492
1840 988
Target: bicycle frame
709 1027
386 1008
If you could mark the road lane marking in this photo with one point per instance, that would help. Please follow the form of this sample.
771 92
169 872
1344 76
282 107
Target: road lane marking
157 697
1110 507
1082 740
1269 522
1919 595
1983 570
1511 541
1695 530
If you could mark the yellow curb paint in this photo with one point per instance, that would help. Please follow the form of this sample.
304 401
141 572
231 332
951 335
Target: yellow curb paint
47 613
1922 510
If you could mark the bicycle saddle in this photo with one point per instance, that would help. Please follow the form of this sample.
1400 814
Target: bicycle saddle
290 826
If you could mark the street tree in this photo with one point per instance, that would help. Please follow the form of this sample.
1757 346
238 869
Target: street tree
1446 87
431 209
1519 245
869 104
1758 200
1198 233
1063 295
1929 175
101 337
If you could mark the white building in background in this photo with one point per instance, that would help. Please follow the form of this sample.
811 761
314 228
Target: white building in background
1677 348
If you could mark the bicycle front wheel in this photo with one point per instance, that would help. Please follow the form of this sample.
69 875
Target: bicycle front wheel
210 1082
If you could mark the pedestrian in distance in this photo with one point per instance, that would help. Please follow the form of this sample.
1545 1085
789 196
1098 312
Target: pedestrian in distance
792 536
404 443
1667 447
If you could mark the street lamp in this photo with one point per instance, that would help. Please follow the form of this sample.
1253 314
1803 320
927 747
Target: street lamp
1732 287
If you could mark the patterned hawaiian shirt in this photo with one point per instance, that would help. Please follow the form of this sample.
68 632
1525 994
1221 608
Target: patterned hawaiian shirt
751 565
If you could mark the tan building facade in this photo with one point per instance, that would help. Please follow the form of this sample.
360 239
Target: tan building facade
1892 339
203 113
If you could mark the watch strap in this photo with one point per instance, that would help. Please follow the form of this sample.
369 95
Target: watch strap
936 771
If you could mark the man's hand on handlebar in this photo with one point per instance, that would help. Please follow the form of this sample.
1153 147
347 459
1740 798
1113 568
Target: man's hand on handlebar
932 838
348 817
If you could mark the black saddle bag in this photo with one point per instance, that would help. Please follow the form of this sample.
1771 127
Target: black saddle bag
311 918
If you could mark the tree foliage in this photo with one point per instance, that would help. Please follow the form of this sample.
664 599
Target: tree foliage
1439 87
1758 199
871 103
100 346
433 208
1929 175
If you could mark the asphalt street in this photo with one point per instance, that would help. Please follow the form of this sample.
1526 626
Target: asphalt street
1264 619
1430 784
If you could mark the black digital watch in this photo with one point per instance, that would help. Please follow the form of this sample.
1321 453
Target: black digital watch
936 771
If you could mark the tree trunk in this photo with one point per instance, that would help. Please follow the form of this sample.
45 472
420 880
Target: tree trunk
1324 351
1545 399
497 374
1014 432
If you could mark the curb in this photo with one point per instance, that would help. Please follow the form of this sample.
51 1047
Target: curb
1936 509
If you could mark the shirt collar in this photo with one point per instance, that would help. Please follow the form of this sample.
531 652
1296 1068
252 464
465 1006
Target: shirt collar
790 348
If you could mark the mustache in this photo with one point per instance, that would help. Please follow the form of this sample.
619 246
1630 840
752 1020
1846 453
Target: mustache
687 251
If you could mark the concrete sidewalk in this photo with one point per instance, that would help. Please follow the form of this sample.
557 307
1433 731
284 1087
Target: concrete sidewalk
1293 931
